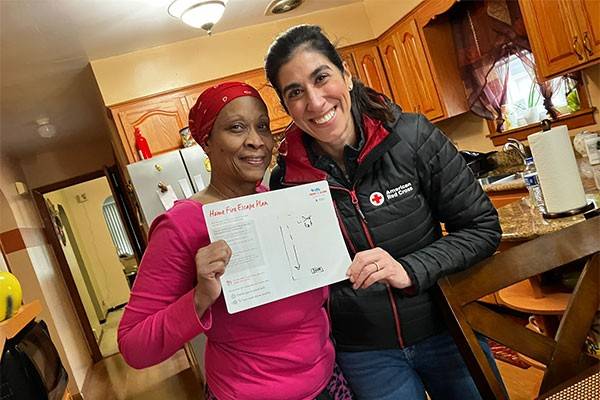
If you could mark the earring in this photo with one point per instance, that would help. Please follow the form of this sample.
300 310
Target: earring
350 87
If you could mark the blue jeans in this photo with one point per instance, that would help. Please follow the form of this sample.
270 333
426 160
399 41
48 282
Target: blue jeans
434 364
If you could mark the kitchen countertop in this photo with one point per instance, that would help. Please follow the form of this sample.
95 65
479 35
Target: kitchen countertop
502 187
520 222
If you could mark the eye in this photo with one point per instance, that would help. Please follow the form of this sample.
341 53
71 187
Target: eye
263 126
293 93
237 127
321 78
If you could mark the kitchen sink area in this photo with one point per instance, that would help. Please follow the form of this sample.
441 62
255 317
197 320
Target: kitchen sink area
513 177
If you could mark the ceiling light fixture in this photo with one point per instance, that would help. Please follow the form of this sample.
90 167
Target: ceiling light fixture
45 129
202 14
282 6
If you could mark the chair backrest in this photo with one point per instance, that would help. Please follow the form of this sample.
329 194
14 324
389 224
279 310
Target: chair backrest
564 355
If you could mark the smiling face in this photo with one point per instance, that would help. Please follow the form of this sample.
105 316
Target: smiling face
240 144
317 96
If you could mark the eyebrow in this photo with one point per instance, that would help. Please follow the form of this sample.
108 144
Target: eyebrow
313 75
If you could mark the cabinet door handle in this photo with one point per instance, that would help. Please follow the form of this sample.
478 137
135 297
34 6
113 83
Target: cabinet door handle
586 44
577 53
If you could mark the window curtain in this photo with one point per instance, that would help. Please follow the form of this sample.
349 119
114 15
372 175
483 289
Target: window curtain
486 33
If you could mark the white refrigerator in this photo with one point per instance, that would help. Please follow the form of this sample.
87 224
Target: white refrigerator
160 180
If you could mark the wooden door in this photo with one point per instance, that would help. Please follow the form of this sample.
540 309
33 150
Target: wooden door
159 123
412 59
588 21
370 69
397 79
554 40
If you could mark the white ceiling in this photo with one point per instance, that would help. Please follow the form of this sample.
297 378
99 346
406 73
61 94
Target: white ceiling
46 46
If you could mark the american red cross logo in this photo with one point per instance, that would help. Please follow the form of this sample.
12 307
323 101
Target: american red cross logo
376 198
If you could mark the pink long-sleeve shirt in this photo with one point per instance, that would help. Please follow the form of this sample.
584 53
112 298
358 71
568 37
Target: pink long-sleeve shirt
279 350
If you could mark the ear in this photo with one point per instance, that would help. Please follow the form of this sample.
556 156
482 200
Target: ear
347 76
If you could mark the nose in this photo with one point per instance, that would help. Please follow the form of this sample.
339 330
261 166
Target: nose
254 139
315 100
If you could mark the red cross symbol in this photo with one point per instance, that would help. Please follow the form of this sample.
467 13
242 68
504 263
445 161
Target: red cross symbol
376 198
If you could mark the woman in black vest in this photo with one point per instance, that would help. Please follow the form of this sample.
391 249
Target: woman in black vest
394 178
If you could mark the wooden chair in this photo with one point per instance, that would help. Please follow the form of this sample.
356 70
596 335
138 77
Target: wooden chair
564 355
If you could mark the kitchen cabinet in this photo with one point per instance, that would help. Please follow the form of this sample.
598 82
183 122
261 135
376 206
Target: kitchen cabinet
413 63
365 63
279 118
422 67
564 34
159 120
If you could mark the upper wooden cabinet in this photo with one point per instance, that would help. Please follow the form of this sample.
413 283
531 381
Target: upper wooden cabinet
365 63
397 75
159 121
422 68
564 34
413 63
279 118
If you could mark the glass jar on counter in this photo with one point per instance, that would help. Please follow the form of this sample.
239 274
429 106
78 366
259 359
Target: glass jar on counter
186 137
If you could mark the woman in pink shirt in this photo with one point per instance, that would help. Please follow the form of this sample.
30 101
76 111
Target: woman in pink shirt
279 350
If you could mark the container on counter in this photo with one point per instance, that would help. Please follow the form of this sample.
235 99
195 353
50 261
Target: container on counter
186 137
592 147
530 176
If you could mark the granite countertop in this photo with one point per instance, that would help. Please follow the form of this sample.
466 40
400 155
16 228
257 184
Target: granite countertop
503 187
519 221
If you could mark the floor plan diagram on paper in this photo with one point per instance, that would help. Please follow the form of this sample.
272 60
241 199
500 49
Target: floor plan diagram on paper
297 232
283 243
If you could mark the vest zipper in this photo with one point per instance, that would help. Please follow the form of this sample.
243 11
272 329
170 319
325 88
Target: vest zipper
363 222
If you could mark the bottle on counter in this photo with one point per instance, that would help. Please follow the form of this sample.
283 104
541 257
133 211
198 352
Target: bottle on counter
142 145
530 176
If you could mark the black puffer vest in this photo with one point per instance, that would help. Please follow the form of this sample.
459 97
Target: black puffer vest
408 180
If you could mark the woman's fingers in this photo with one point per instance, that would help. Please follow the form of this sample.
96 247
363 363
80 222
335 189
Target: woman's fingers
366 271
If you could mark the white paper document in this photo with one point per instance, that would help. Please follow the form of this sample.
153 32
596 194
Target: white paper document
283 243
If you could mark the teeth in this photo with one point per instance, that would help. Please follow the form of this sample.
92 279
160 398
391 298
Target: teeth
254 160
325 118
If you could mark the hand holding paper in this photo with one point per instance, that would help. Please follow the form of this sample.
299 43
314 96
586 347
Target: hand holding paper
283 243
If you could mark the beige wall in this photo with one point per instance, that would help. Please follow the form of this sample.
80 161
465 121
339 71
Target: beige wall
57 199
384 13
145 72
39 275
56 166
94 241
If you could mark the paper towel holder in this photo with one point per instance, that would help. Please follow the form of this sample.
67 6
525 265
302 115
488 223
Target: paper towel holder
569 213
546 125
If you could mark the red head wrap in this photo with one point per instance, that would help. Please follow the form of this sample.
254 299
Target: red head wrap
204 113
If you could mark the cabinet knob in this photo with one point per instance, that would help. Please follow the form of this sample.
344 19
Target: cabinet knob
577 53
586 44
163 188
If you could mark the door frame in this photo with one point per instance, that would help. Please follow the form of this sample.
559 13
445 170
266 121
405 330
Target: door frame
54 241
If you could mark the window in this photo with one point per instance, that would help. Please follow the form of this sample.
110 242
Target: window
524 101
116 228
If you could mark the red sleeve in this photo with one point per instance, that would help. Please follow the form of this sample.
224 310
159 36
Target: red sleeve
161 316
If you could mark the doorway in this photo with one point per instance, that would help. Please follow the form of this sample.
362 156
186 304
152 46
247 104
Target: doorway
91 234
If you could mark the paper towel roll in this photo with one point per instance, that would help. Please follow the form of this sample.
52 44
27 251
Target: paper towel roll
557 169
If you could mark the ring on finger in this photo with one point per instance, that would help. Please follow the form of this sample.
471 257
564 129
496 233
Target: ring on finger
377 266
